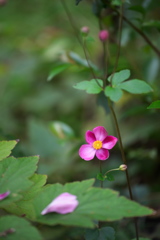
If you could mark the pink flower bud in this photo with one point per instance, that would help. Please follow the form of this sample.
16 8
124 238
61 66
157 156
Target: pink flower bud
85 29
123 167
103 35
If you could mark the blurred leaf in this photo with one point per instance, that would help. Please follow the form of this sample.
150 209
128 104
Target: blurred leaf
91 86
100 177
25 206
119 77
109 177
152 23
116 2
155 104
15 174
6 147
57 69
83 62
135 86
138 8
17 229
94 204
103 102
61 130
105 233
113 93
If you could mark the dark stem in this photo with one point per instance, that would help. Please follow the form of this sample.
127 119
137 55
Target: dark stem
125 162
157 51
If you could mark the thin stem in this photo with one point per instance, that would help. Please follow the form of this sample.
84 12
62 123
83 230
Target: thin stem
125 161
145 37
116 169
100 168
119 41
71 21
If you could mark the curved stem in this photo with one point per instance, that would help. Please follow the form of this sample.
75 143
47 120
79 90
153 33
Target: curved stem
145 37
100 168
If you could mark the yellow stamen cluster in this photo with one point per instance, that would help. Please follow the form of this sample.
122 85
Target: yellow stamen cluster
97 145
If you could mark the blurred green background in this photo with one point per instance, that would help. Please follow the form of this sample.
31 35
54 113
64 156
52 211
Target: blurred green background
50 117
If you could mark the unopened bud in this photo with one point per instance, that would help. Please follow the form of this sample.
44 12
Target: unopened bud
103 35
85 31
123 167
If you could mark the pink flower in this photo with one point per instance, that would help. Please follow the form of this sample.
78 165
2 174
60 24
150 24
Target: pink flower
64 203
98 144
103 35
4 195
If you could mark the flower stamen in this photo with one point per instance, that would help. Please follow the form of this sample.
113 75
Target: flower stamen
97 144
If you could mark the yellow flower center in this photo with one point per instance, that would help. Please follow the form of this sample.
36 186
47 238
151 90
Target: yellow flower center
97 145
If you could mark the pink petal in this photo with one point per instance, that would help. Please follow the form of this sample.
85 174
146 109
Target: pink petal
4 195
90 137
87 152
109 142
102 154
100 133
64 203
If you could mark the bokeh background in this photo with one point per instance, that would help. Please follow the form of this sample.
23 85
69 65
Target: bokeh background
50 117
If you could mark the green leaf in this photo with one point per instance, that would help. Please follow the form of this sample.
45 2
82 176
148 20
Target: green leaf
119 77
61 130
109 177
155 104
82 62
138 8
91 86
152 23
15 174
105 233
57 69
100 177
94 204
113 93
6 147
24 206
135 86
116 2
19 228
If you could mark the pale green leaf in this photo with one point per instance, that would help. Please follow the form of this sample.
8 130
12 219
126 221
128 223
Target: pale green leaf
6 147
113 93
135 86
61 130
57 69
15 174
92 87
119 77
16 228
155 104
94 204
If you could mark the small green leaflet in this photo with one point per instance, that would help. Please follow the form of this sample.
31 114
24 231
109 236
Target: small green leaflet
155 104
119 77
135 86
92 87
113 93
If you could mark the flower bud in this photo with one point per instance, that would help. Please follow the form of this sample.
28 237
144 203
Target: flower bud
85 31
123 167
103 35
